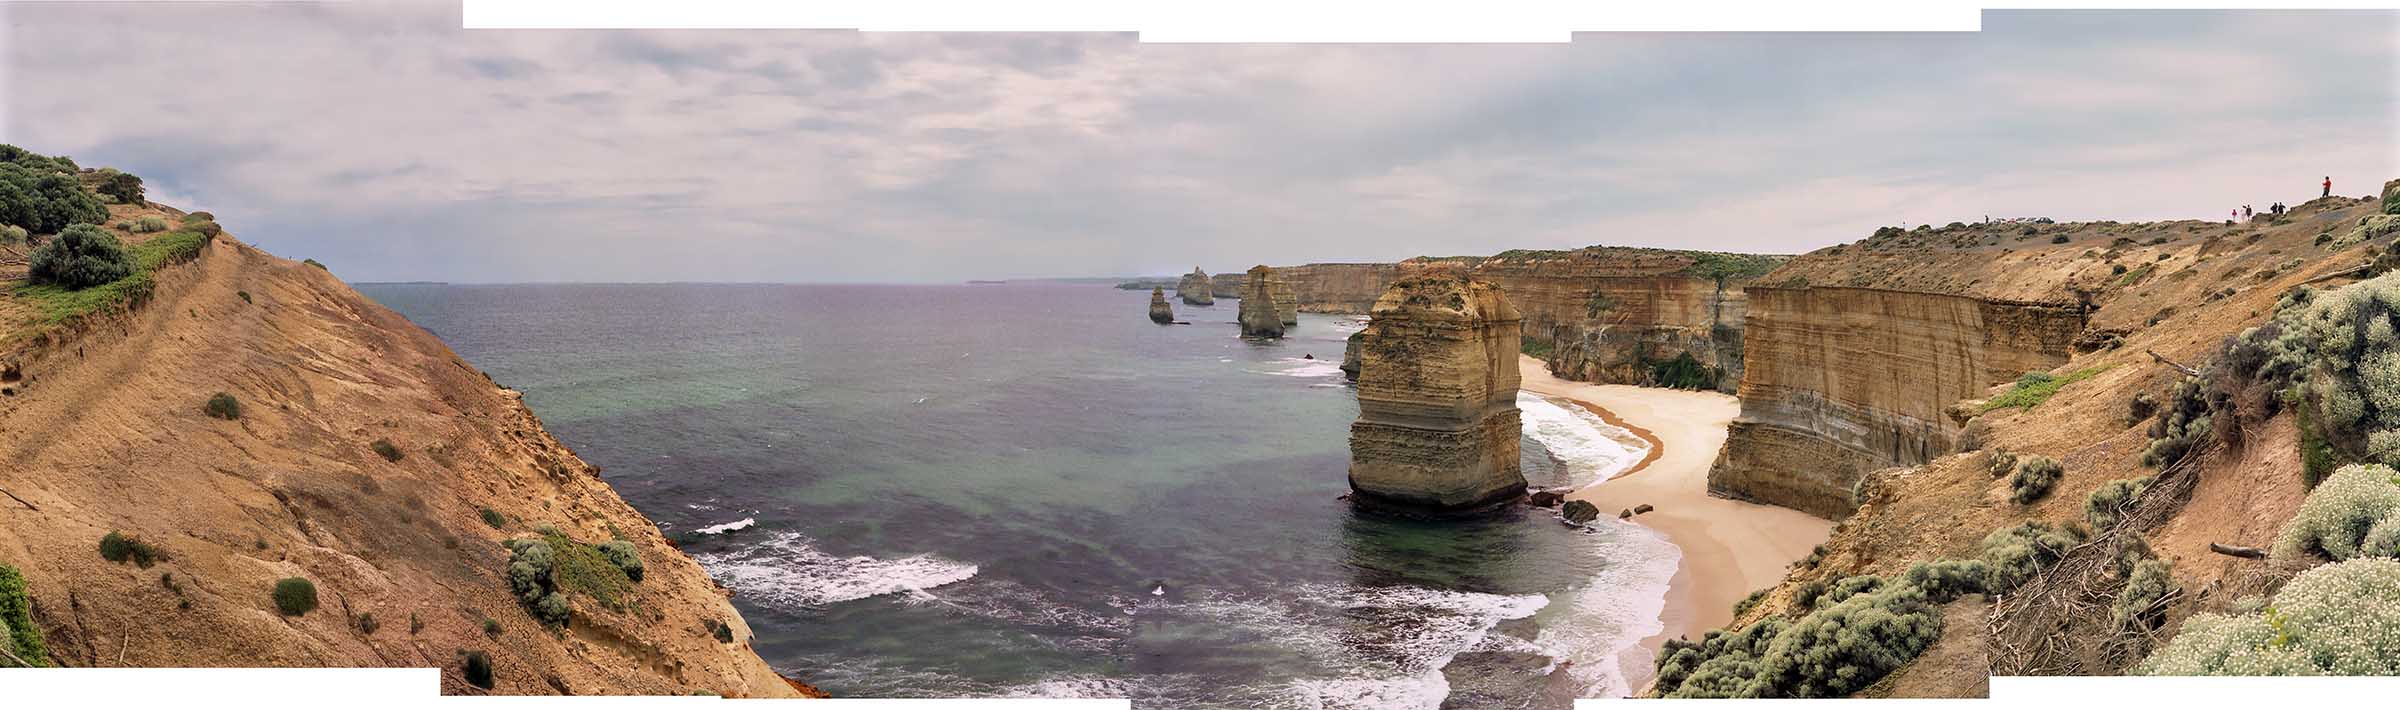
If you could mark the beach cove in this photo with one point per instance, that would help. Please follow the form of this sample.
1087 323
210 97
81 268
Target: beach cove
1730 547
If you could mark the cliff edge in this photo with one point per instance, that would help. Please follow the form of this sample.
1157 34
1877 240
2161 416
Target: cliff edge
351 449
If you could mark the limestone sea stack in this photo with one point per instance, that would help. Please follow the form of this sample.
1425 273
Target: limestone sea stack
1258 316
1437 398
1194 289
1350 355
1160 312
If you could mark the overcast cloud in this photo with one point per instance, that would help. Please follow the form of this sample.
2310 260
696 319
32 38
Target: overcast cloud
385 141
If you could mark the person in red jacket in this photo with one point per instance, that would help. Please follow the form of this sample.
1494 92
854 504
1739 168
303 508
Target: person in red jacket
2328 187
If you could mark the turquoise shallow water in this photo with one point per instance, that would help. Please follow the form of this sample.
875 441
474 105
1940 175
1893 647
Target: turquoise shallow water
1030 489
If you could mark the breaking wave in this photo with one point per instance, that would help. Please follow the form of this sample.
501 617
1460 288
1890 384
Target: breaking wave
789 572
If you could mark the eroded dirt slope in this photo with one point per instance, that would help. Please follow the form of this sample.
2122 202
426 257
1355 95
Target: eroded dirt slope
103 431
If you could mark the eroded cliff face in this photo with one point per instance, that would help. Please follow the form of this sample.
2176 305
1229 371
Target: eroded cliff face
104 431
1843 381
1195 289
1437 425
1227 284
1603 314
1258 315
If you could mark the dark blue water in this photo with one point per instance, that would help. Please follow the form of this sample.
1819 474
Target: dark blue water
1030 489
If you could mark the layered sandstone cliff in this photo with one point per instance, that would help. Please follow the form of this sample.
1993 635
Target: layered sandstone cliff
1843 381
1437 421
1160 312
1228 284
1258 315
1195 289
104 431
1602 314
1287 305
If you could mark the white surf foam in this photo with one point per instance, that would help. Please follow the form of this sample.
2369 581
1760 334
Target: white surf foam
1606 619
1591 449
1406 635
1304 367
722 528
789 572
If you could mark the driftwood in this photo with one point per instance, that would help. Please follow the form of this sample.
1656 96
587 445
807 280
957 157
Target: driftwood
2170 363
2359 269
2237 551
28 504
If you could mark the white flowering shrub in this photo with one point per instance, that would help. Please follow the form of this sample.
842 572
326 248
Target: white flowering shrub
1852 633
2337 619
2354 513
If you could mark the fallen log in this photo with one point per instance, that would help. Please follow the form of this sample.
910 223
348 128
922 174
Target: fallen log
2170 363
2237 551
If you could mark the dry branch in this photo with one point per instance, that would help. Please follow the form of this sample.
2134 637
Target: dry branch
2170 363
2237 551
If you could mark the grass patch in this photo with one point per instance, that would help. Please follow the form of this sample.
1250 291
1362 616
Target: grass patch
59 305
493 518
2037 387
119 547
17 630
1538 348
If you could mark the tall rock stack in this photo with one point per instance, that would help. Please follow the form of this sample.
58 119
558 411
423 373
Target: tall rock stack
1287 305
1160 312
1437 398
1258 316
1194 289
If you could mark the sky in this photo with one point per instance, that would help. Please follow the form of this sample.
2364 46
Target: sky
385 141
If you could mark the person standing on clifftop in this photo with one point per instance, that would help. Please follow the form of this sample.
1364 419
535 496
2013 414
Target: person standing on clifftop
2328 187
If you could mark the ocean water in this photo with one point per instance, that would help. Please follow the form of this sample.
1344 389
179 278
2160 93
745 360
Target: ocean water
1031 490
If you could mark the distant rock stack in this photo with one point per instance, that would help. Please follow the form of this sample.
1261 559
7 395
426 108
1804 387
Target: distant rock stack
1287 306
1195 290
1350 355
1437 398
1228 285
1160 312
1258 316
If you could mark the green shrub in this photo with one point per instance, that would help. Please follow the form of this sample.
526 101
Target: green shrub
2317 458
1805 597
2034 478
2140 409
12 235
200 216
365 621
623 554
295 596
2182 427
312 262
477 670
1946 580
17 630
2001 462
80 257
2015 555
120 548
2060 239
2142 605
126 187
45 201
1749 602
149 224
543 570
223 406
415 624
2354 513
2336 619
493 518
2034 388
1683 372
491 626
2107 504
385 449
723 632
245 296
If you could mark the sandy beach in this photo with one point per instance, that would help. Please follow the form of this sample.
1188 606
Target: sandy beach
1730 548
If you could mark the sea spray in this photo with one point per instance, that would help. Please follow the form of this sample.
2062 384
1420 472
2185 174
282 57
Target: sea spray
788 571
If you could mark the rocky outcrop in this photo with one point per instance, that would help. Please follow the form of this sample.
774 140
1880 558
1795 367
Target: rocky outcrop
1350 355
1437 421
1839 382
1602 314
1258 317
1160 312
1195 289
